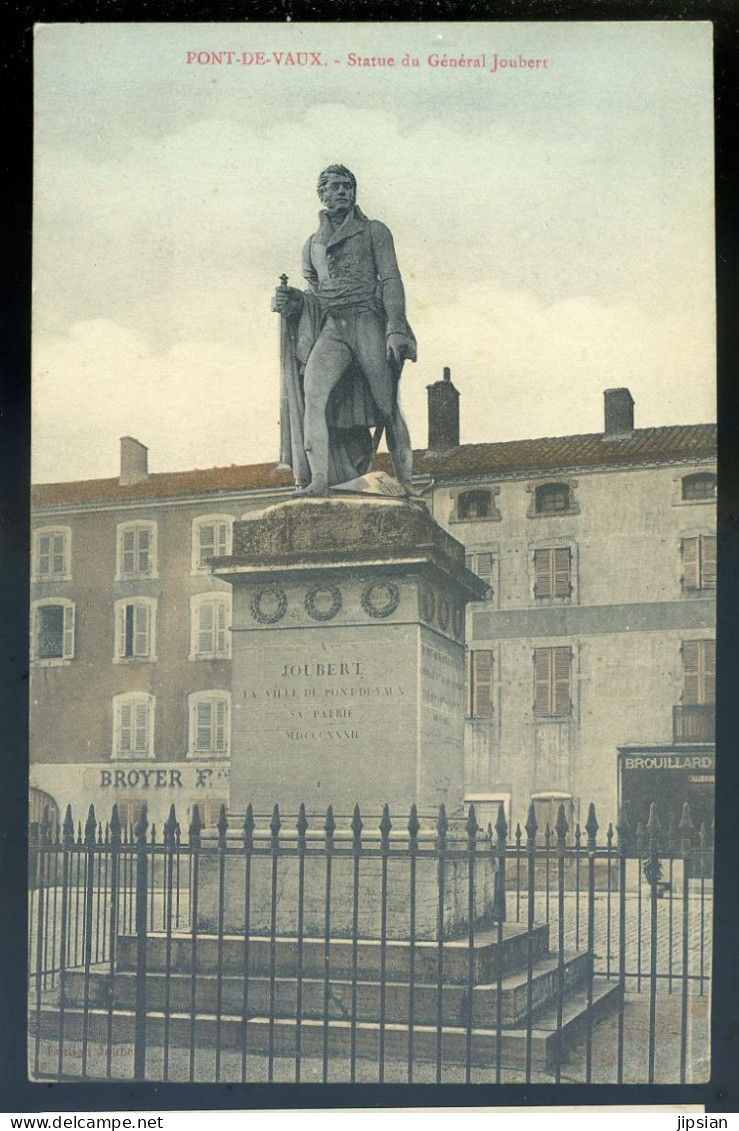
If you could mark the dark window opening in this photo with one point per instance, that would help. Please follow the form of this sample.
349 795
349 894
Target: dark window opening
474 504
552 498
702 485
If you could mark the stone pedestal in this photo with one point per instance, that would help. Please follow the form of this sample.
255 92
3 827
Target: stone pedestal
348 658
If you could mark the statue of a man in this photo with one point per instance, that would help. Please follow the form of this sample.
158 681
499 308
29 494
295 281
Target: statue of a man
343 344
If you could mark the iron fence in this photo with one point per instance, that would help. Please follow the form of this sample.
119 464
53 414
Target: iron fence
415 950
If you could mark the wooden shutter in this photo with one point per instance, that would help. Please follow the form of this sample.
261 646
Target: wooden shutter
125 720
143 563
542 681
543 573
206 542
221 637
709 671
68 632
222 539
561 689
691 563
44 555
220 726
482 684
58 555
203 725
121 630
128 552
708 561
562 570
691 672
141 712
141 630
206 627
485 566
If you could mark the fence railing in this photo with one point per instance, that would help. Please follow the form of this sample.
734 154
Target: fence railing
416 949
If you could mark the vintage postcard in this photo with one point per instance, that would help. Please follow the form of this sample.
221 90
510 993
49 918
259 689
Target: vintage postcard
372 638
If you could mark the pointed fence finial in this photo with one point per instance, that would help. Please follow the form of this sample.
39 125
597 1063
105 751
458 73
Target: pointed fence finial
561 827
686 829
531 826
623 828
153 834
471 826
170 828
196 827
413 825
442 827
247 829
518 834
591 825
302 826
141 826
547 835
654 828
357 826
79 832
45 829
501 825
385 827
330 825
222 826
274 827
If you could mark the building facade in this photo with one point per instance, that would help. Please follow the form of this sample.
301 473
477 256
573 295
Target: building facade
590 667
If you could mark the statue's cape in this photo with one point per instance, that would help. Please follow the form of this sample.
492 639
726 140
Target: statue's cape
351 410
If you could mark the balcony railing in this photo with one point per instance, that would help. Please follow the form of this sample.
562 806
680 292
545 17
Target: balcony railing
695 722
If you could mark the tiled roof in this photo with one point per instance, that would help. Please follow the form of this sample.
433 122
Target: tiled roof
683 442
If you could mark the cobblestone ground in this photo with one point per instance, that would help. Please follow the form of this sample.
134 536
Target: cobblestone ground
636 1046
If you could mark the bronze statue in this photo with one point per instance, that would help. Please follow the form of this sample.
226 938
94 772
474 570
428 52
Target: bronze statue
344 341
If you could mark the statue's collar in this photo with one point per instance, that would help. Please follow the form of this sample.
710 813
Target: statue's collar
355 219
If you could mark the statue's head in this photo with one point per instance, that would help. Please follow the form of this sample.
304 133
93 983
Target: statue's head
337 188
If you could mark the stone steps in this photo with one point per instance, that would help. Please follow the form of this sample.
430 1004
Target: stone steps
369 1004
487 955
282 1033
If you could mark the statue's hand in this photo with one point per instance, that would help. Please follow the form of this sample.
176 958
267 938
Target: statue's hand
397 349
287 300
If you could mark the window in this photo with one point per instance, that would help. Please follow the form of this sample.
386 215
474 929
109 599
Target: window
210 724
552 498
135 629
52 554
133 725
699 672
482 565
480 684
552 682
553 572
698 487
137 550
474 504
209 811
546 808
699 562
52 630
210 626
211 538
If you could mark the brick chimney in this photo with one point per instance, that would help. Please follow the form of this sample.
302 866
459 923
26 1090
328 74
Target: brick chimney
619 413
134 462
443 414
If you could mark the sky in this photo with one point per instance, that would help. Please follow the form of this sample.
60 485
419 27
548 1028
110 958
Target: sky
553 225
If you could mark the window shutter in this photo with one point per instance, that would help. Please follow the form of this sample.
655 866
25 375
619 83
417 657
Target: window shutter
709 671
562 691
205 628
691 563
68 645
485 566
708 562
542 681
542 573
128 552
221 647
469 561
144 546
121 631
141 627
203 725
691 671
482 684
58 557
44 554
142 728
221 713
125 712
562 571
222 543
206 543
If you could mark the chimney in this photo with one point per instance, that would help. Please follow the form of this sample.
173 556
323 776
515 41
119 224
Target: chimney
134 462
619 413
443 414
